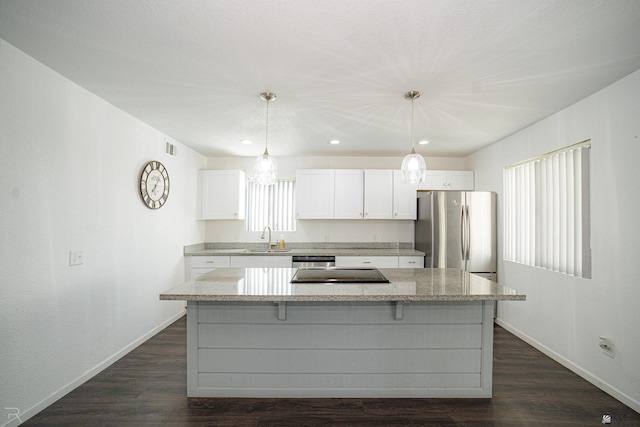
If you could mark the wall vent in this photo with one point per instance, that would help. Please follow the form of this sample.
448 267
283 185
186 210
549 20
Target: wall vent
170 149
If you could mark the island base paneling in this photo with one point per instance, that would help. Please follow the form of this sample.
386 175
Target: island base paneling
340 349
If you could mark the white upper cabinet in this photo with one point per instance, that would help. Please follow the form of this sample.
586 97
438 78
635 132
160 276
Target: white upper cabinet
404 198
221 194
354 194
315 193
378 194
349 194
448 180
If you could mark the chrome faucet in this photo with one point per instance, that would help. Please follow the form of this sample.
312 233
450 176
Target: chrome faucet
262 237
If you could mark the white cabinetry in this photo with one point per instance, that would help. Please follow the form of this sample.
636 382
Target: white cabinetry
261 261
353 194
340 349
404 198
448 180
367 261
349 194
198 265
410 262
378 194
221 194
314 193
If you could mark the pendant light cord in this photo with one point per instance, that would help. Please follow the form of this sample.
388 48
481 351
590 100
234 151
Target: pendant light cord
266 131
411 96
413 147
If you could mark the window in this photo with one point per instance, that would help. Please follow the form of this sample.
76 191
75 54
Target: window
546 211
271 205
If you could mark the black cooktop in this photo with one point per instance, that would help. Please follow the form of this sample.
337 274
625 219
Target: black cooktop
338 275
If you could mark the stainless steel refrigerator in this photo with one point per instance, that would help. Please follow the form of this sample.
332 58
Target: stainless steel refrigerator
457 229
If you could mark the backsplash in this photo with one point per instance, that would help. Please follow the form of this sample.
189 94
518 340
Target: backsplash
371 231
300 245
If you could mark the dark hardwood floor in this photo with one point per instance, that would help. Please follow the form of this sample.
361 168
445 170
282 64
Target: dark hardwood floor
148 388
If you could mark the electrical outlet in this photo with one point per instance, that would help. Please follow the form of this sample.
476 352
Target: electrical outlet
607 346
76 258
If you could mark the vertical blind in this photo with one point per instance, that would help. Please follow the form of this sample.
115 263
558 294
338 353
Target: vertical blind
546 211
271 205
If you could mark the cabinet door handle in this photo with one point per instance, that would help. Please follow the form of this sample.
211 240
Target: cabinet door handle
366 262
210 262
412 262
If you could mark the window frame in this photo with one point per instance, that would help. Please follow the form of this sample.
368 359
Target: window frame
271 197
547 211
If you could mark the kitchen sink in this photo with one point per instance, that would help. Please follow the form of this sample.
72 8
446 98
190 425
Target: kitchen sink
265 251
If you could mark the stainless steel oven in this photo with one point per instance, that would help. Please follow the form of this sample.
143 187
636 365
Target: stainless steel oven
313 261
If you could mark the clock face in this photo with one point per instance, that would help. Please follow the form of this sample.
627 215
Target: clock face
154 184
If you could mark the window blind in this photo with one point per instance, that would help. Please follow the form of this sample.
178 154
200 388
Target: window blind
546 210
271 205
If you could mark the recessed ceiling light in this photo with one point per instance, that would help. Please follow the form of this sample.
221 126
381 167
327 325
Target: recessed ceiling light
334 142
247 141
423 142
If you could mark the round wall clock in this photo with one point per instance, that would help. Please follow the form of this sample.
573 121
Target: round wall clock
154 184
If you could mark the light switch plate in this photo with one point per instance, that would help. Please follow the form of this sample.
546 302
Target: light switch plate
76 258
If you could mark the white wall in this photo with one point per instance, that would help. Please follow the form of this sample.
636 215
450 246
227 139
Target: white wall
69 168
564 316
319 230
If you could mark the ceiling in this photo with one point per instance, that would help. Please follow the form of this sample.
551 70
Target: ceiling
194 69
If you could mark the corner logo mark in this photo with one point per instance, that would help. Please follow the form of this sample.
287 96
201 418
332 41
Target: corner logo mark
13 413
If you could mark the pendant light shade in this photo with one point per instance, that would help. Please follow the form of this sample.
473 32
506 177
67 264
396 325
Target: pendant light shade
414 168
265 168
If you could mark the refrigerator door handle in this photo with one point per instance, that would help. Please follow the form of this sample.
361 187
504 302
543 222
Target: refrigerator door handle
467 243
462 232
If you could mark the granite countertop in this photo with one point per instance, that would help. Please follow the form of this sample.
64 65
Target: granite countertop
303 251
296 249
406 284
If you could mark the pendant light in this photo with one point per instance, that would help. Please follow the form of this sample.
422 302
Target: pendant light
265 167
414 168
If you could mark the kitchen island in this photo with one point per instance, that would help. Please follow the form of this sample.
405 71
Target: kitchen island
253 333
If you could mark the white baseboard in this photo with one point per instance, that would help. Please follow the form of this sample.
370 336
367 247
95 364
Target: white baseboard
21 417
602 385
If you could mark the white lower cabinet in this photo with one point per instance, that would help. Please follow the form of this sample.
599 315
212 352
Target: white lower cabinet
367 261
198 265
340 349
261 261
410 262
